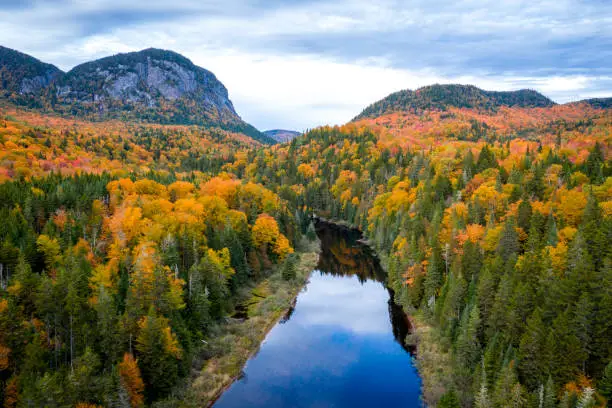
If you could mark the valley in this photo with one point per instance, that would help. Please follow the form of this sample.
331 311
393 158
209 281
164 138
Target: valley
151 239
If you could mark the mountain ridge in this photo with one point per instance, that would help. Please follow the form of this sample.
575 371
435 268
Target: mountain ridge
151 86
443 96
282 135
20 72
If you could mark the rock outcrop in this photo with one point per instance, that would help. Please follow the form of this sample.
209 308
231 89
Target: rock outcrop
152 85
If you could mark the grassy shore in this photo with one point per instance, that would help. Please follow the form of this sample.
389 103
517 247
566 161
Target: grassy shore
231 344
433 360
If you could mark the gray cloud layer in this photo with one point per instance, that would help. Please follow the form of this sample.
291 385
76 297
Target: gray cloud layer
562 47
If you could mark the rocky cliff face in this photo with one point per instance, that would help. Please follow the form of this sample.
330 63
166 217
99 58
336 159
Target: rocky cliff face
152 85
282 135
149 79
21 74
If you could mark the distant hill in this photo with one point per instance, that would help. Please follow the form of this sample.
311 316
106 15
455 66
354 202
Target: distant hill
153 86
441 97
21 74
281 135
598 103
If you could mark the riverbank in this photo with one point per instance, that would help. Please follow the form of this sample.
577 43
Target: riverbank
433 361
231 344
432 357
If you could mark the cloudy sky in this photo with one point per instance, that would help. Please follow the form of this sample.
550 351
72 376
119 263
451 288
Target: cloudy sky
297 64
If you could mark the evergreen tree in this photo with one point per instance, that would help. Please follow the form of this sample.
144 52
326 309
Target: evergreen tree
567 357
468 346
549 397
524 215
587 400
605 384
157 356
486 159
596 232
435 274
508 242
486 292
582 324
532 355
504 389
471 261
311 233
482 397
289 267
449 400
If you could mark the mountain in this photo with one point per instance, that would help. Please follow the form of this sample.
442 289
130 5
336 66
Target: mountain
598 103
441 97
281 135
21 74
152 85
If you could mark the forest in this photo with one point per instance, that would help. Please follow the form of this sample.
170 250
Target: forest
122 244
496 237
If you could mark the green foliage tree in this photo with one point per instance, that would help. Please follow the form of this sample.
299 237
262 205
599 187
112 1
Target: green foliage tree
289 267
449 400
605 384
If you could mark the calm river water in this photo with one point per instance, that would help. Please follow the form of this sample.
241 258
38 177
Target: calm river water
342 344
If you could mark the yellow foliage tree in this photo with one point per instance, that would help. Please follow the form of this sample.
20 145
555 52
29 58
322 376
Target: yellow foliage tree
132 380
50 249
265 231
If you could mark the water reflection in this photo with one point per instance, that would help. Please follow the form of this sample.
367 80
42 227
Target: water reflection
343 254
338 347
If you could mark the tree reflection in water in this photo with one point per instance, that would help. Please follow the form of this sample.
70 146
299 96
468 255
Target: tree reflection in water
343 254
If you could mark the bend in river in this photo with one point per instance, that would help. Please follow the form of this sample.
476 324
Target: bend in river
341 346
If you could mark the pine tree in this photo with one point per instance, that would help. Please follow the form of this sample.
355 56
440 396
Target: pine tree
482 398
289 267
449 306
449 400
582 323
498 319
468 346
504 386
549 399
594 162
601 347
311 233
471 261
486 292
567 357
508 242
551 231
157 355
586 400
524 214
434 276
593 230
486 159
532 354
605 384
84 383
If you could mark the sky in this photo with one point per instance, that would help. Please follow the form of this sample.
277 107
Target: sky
297 64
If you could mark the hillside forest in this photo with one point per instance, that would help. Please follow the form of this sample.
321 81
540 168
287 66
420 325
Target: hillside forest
123 243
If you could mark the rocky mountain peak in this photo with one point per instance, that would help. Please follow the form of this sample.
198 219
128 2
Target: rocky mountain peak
152 85
22 74
147 78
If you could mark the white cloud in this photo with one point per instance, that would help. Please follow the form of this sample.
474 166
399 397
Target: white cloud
345 303
299 65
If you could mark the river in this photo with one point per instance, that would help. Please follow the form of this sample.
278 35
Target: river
342 345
